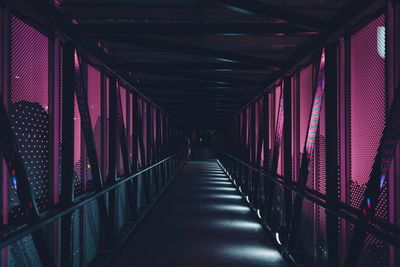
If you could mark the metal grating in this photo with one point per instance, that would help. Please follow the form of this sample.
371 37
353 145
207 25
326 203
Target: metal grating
368 105
94 104
29 108
78 164
368 108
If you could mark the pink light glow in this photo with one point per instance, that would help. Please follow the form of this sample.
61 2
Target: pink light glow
368 102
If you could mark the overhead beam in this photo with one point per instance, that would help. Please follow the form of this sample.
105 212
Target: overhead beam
222 55
263 9
125 11
189 66
198 76
178 84
190 28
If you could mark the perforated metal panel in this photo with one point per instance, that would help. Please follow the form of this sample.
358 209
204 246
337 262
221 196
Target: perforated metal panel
29 113
122 101
130 129
79 183
94 104
368 105
368 108
29 110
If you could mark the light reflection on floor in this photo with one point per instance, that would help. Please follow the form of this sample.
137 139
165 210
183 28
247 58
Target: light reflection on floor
240 225
251 253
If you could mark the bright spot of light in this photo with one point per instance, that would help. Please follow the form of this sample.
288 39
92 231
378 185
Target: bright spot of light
253 253
258 213
381 32
230 207
247 198
218 183
225 188
277 238
238 225
223 196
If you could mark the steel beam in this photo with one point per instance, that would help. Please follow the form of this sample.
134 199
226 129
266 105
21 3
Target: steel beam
222 55
287 147
67 151
112 151
332 152
190 28
264 9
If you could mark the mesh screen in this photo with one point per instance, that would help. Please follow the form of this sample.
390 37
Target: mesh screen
94 104
107 126
120 165
29 110
78 161
130 128
144 131
368 107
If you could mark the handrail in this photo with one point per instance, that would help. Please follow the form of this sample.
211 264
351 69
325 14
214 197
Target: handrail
9 238
390 235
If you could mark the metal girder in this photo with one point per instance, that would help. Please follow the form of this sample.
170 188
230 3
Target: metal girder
121 128
332 152
191 28
81 91
287 146
275 159
140 66
263 9
67 150
197 76
222 55
112 150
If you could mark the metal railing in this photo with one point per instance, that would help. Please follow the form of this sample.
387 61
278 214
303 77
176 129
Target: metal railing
160 173
250 180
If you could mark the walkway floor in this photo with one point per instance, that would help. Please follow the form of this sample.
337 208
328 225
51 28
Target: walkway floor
200 221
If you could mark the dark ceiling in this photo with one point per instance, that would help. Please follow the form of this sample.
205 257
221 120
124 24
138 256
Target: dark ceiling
203 60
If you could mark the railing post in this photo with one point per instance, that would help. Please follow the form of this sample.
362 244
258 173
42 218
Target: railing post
67 152
287 146
332 168
112 147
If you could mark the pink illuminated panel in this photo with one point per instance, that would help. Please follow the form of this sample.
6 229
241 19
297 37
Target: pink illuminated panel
305 95
279 126
368 104
94 104
29 107
79 184
130 129
122 97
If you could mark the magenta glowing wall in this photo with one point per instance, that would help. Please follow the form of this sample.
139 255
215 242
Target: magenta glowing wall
29 108
368 104
94 105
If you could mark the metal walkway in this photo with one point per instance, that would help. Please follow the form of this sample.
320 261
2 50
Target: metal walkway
201 220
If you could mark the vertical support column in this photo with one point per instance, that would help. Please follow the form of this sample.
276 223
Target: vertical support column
135 154
112 145
332 168
67 150
149 156
287 141
266 147
5 57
